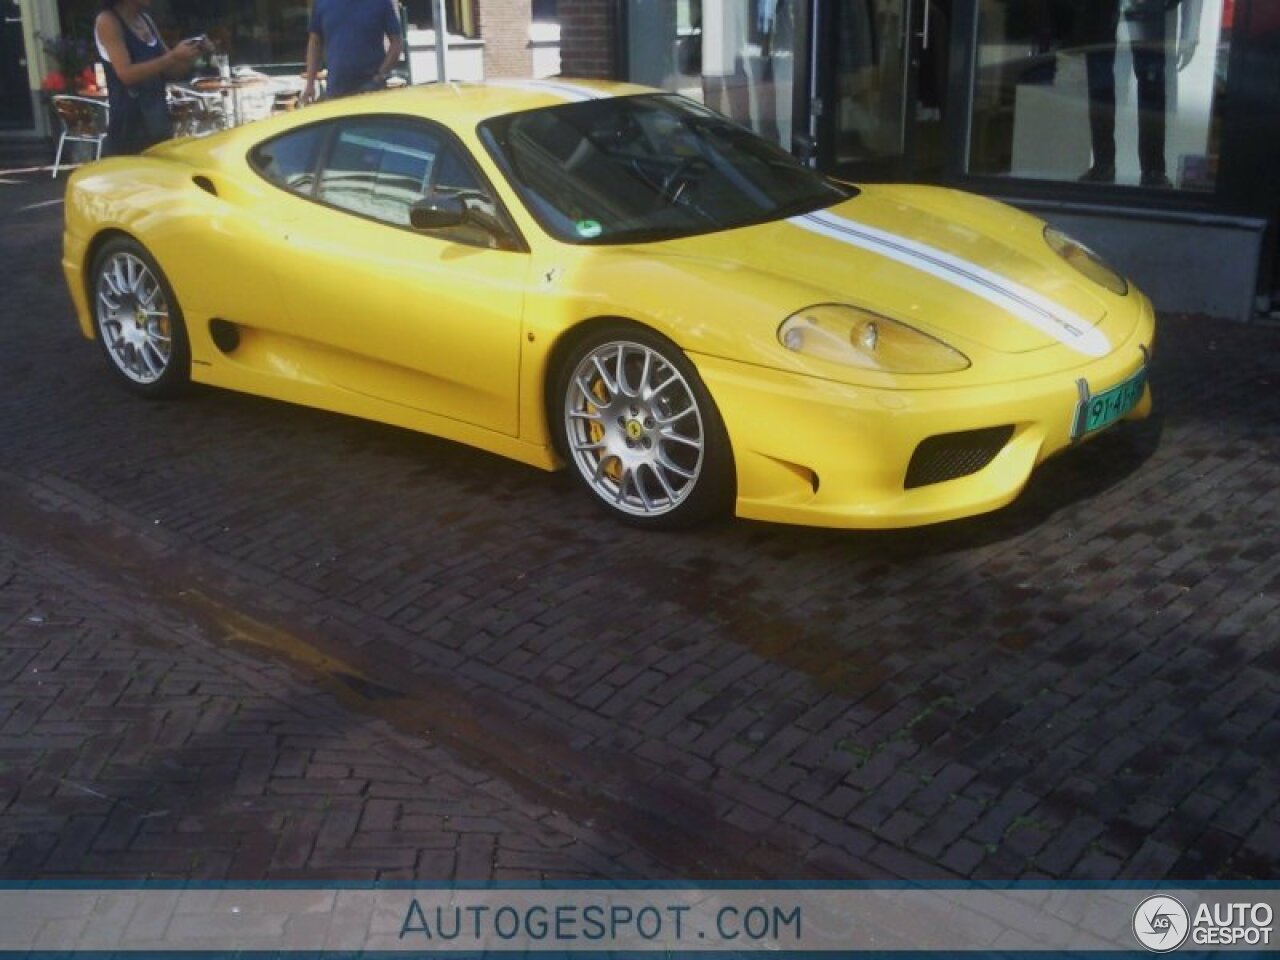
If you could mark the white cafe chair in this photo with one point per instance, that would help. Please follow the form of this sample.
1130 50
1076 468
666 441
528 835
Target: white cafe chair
84 120
196 112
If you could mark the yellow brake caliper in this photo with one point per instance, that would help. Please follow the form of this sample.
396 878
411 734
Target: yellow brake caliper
595 429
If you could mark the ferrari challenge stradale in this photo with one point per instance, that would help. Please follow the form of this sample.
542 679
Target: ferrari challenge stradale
616 280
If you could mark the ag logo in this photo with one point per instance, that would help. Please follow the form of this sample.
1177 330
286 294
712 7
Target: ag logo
1161 923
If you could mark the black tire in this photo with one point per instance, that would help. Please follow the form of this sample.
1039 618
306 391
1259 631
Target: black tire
137 320
650 447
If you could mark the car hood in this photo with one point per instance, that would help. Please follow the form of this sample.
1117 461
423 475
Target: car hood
963 268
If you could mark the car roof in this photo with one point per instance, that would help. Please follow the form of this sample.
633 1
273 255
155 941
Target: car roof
458 105
471 103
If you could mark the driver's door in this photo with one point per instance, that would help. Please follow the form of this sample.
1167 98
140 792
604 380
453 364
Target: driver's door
426 320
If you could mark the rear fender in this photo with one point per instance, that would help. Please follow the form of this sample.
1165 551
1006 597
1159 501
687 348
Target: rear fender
211 234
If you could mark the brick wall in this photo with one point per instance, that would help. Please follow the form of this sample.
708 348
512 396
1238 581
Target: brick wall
588 36
504 27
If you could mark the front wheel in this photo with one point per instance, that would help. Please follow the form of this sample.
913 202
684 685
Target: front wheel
138 320
641 431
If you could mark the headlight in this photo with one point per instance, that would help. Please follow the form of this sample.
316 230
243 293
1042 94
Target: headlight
859 338
1086 261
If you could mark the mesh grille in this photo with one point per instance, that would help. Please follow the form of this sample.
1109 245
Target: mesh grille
951 455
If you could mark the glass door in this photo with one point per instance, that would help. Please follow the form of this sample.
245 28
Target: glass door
882 88
744 58
15 93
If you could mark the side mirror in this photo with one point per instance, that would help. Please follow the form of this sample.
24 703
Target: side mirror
437 212
804 148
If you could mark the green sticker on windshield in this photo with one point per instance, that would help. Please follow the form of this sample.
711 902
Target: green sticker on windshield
589 229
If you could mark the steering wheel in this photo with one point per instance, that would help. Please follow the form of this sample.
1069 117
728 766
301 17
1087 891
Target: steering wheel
678 180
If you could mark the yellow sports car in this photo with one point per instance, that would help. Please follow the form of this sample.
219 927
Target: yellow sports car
618 280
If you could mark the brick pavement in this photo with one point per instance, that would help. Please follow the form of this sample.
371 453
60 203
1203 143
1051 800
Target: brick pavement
1082 685
132 746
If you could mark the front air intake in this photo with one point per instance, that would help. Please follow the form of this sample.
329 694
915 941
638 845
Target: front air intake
951 455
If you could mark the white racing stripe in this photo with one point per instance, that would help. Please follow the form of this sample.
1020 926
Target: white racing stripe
1048 317
569 91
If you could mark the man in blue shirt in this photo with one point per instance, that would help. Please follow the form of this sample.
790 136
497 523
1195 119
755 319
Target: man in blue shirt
350 36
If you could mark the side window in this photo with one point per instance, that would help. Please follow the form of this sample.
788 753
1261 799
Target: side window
289 161
379 168
454 175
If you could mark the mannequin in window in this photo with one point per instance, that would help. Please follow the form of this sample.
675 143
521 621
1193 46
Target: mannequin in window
725 27
1150 43
772 33
738 42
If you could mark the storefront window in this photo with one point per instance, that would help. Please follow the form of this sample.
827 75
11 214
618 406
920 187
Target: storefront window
265 32
249 31
1125 92
260 32
461 14
736 56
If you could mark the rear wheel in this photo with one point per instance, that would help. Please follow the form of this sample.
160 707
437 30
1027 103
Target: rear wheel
640 430
138 321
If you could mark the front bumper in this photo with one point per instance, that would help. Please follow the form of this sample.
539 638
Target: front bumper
820 453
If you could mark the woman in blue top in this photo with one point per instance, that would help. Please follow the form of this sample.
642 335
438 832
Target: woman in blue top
137 64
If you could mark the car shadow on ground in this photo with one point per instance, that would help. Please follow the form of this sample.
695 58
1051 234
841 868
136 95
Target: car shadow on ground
1068 480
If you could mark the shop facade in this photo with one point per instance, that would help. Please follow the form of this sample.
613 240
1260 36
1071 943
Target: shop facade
487 38
1149 128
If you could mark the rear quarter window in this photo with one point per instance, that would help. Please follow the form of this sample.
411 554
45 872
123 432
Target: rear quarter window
289 160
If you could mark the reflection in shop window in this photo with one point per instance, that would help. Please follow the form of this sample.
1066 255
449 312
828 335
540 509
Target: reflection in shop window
735 56
1125 92
461 16
265 32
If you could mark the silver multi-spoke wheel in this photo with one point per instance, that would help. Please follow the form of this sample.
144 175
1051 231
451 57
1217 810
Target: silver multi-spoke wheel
139 322
634 428
134 317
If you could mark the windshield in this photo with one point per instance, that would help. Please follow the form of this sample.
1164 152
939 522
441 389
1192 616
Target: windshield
653 167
